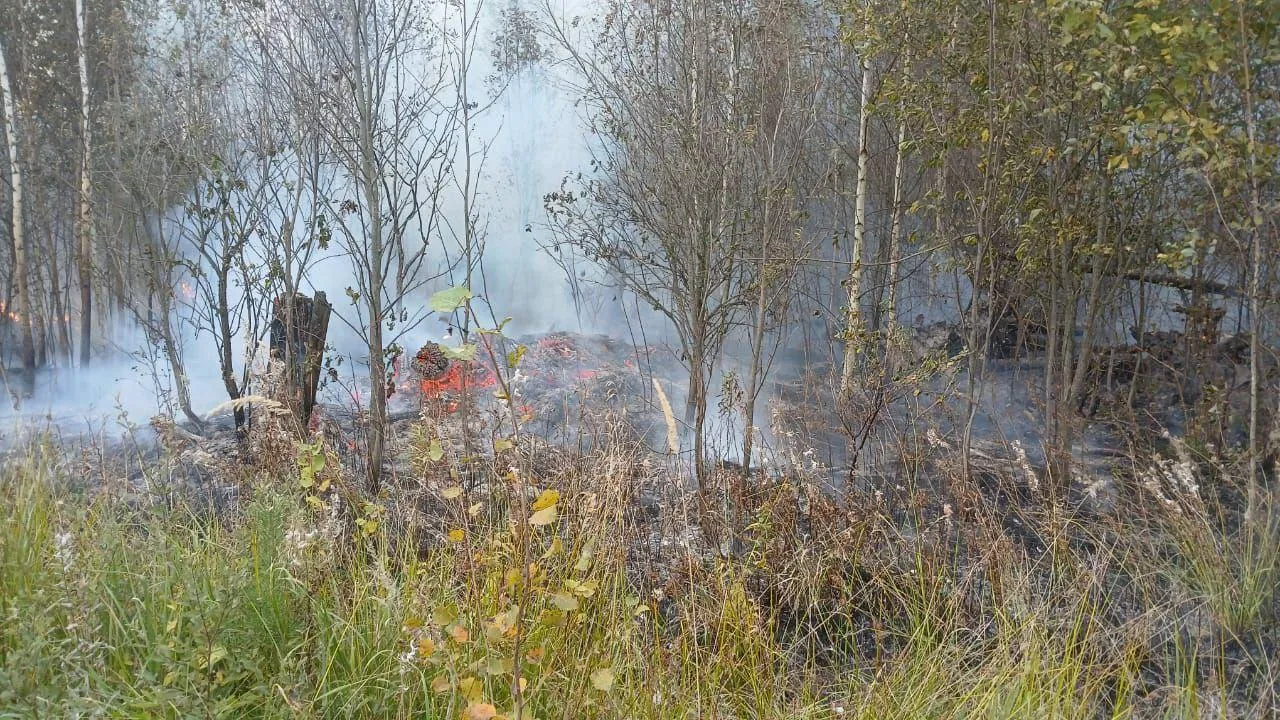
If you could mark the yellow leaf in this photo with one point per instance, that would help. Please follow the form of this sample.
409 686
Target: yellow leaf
441 683
481 711
502 444
426 647
546 516
459 634
602 679
556 548
474 510
456 535
472 689
552 618
451 493
547 499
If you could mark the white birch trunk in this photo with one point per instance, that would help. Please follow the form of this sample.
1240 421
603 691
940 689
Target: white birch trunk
853 322
22 300
85 217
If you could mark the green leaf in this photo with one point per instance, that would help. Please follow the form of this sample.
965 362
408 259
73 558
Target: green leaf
466 352
444 615
515 356
450 299
216 655
435 451
564 602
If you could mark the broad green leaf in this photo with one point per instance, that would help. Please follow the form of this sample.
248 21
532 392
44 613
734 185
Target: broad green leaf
466 351
450 299
565 602
444 615
515 356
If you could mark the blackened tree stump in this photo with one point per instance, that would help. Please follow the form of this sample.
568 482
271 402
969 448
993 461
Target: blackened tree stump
298 333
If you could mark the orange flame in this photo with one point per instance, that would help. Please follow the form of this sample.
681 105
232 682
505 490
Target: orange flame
458 378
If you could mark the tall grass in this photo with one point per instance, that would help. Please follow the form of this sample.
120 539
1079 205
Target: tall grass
275 610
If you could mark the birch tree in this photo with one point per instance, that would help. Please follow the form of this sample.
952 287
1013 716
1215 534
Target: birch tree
84 219
21 312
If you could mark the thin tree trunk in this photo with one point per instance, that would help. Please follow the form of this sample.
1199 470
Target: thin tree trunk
371 179
85 217
895 234
853 322
22 300
757 343
60 318
1255 283
467 229
224 343
180 379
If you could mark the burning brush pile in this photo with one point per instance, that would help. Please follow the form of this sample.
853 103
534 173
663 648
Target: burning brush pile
553 377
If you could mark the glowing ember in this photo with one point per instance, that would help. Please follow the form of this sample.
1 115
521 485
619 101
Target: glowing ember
457 378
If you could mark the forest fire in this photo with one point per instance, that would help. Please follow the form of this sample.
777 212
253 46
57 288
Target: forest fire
13 316
555 368
442 375
460 377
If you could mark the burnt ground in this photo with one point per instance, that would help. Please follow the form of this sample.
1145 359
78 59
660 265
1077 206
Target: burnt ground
585 399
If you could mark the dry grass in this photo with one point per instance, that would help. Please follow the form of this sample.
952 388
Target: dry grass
522 580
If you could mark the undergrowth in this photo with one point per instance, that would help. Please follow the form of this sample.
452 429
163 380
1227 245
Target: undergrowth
526 602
